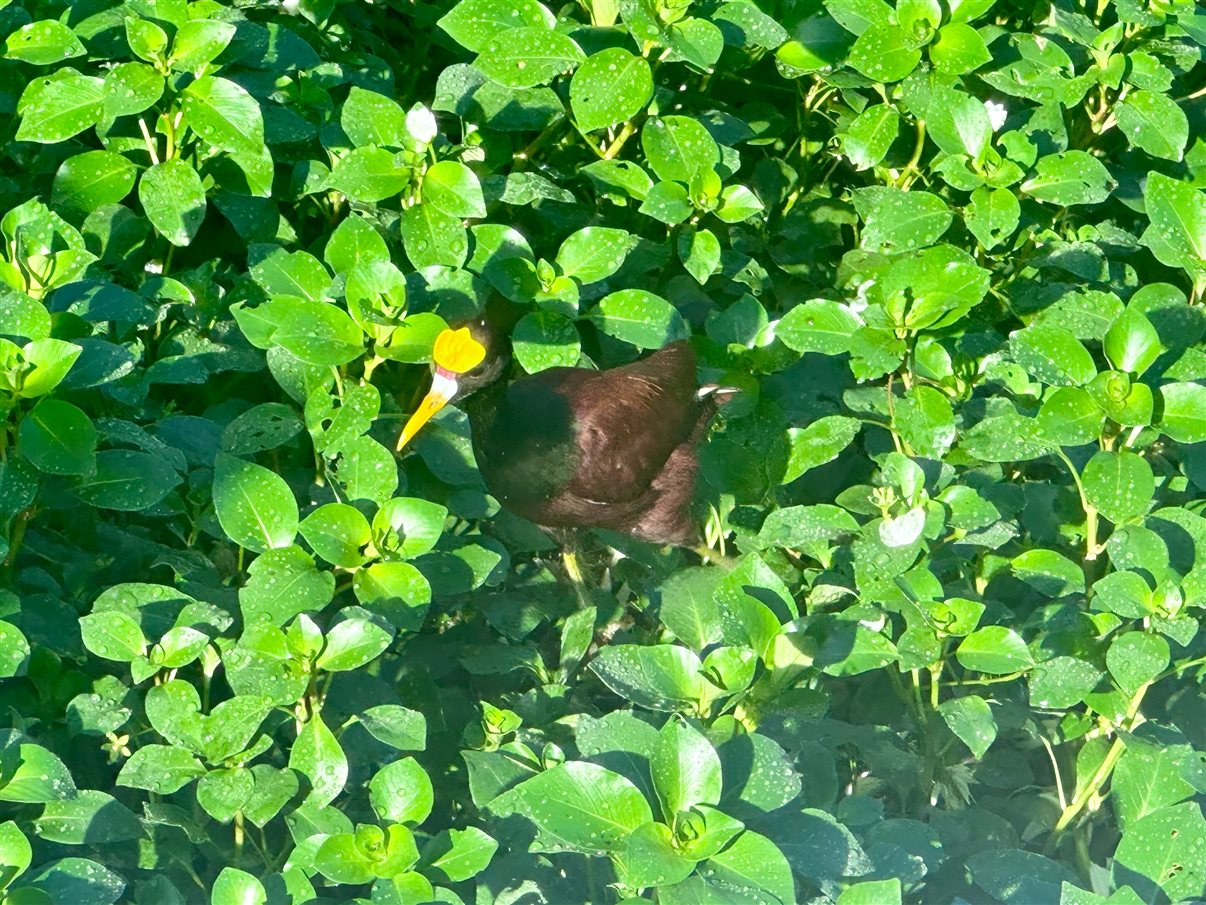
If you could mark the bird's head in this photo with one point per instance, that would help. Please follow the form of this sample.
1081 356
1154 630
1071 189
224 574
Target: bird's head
463 359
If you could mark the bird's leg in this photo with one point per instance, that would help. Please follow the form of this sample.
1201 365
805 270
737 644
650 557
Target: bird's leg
708 555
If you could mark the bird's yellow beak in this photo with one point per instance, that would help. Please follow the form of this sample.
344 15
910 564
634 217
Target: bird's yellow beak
455 352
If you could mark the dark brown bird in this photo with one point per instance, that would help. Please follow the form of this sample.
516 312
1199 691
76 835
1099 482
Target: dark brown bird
575 448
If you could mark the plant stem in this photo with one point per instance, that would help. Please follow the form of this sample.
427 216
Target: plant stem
618 145
146 136
1091 547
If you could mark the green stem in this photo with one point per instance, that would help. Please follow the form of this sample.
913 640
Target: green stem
1091 547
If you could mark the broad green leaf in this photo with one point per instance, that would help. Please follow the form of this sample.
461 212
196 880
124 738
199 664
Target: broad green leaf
282 583
255 506
899 221
87 181
867 139
237 887
821 441
128 480
1176 234
131 88
594 253
401 792
1070 417
753 862
43 43
1052 355
996 650
90 818
663 677
174 200
371 174
958 123
407 527
162 769
1119 484
317 755
54 110
198 41
453 188
1153 122
992 216
651 858
872 892
545 339
678 147
1184 414
1165 848
639 317
113 636
396 590
476 23
223 113
610 87
50 361
737 204
667 202
699 251
355 242
1069 177
338 533
352 643
1132 344
370 118
580 806
1062 682
458 855
884 53
959 49
396 726
432 237
686 769
318 333
818 325
1136 658
58 438
525 57
14 651
971 719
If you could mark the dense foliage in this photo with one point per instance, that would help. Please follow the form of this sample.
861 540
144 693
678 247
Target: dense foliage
952 253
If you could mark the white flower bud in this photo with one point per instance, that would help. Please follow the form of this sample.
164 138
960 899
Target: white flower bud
996 114
421 124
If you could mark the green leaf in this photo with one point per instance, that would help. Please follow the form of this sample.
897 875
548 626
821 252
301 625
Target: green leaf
1184 415
545 339
686 769
958 123
959 49
867 139
408 526
992 216
1070 417
370 118
396 726
453 188
131 88
353 643
54 110
639 317
678 147
525 57
401 792
355 242
338 533
697 41
476 23
667 202
432 237
971 719
14 651
899 221
872 892
58 438
174 200
397 590
43 43
996 650
1132 343
1176 234
162 769
699 251
255 506
737 204
579 805
1052 355
1062 682
1165 848
822 441
50 360
665 677
317 755
458 855
818 325
594 253
372 174
318 333
113 636
223 113
1119 484
752 862
610 87
1153 122
1135 659
884 53
128 480
90 818
237 887
651 858
1070 177
282 583
198 41
89 180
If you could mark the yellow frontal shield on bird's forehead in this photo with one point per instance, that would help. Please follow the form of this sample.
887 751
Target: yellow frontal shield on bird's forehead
455 352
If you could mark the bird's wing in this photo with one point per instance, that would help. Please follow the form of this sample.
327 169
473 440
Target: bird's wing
628 422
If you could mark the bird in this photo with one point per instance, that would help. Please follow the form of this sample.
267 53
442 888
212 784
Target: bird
570 447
